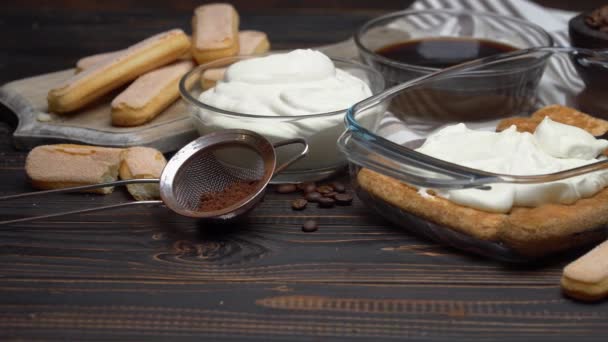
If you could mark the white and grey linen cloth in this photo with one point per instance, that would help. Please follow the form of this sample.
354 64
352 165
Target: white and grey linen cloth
560 74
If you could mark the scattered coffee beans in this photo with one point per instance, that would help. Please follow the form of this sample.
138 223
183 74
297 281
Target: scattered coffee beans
330 194
310 226
286 188
313 196
308 187
299 204
326 202
343 199
338 187
324 189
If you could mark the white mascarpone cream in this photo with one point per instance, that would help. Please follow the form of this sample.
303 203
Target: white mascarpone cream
553 147
300 82
291 85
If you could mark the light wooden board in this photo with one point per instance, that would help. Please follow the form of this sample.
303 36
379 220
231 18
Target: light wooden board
92 125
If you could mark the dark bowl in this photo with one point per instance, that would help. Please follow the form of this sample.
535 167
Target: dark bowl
594 73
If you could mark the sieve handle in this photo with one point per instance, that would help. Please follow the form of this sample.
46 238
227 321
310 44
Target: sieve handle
81 211
80 188
303 153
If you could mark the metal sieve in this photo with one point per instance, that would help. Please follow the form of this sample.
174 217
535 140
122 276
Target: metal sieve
206 166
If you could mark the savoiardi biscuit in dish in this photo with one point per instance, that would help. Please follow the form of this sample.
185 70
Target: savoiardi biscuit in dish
214 32
149 95
529 230
563 114
587 277
91 84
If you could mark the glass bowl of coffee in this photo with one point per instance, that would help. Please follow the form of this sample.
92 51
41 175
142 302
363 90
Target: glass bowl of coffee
409 44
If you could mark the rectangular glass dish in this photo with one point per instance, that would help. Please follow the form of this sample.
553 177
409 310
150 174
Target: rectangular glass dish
387 172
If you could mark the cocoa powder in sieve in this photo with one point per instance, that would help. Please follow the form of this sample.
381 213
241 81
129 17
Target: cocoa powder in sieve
230 195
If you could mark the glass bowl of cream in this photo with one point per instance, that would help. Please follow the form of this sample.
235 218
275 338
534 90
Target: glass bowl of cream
298 94
495 173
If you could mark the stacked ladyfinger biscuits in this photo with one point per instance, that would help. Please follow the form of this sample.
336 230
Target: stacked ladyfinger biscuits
153 67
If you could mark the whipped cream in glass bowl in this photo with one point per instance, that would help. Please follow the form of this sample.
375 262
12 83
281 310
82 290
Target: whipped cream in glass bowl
299 94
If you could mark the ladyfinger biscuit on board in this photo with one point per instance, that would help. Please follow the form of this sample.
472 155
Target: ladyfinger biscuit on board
89 61
587 277
210 77
149 95
214 32
91 84
253 42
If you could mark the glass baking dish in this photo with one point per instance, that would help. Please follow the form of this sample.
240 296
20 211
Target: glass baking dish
479 93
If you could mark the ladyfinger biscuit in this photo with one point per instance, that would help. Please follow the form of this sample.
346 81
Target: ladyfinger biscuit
250 43
149 95
211 76
587 277
89 85
214 32
142 162
66 165
558 113
89 61
253 42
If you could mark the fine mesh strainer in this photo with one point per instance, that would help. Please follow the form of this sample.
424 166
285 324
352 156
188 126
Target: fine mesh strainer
204 167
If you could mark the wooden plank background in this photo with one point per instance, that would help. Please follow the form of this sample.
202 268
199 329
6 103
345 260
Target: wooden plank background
144 273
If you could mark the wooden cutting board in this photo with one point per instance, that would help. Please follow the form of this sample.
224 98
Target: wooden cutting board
167 132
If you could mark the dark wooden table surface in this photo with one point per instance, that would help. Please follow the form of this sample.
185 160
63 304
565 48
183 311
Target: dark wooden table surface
146 273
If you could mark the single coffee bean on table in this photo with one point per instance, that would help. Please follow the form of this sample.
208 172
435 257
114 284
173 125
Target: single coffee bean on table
286 188
310 226
313 196
308 187
330 194
299 204
338 187
326 202
343 199
324 189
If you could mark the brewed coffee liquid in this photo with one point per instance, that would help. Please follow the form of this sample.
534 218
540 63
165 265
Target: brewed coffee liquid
442 52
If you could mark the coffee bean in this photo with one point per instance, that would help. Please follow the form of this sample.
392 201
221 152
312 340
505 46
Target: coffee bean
338 187
286 188
313 196
310 226
330 194
326 202
299 204
308 187
343 199
324 189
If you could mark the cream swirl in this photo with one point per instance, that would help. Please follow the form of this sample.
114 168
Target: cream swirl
553 147
300 82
